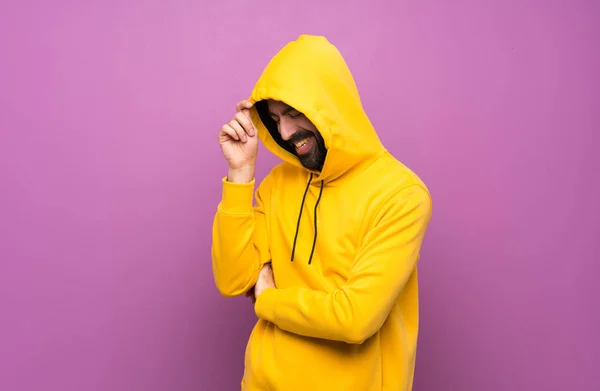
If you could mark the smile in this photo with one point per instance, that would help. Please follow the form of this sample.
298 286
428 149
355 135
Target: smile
301 143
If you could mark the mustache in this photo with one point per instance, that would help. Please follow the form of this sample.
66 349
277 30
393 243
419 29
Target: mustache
300 135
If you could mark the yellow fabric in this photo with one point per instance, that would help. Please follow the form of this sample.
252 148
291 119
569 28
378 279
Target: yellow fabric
347 321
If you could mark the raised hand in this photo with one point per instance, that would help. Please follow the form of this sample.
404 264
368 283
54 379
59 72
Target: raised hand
239 140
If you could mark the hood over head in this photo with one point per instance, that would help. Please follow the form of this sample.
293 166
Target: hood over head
311 75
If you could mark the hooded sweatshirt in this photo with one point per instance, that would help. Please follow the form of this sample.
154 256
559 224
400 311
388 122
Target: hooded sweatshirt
343 242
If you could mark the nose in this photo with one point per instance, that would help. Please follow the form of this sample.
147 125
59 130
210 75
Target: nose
286 129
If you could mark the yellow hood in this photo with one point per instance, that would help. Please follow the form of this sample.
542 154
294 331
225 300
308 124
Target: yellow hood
326 95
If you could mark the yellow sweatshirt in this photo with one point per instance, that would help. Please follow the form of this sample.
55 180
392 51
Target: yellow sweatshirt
344 242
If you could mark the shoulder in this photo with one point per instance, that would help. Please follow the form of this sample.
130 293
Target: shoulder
279 173
398 185
393 175
284 170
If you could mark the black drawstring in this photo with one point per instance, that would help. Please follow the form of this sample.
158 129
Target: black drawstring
300 218
315 237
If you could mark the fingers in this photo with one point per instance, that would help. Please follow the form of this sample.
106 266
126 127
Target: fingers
246 123
241 126
239 130
243 105
230 132
234 130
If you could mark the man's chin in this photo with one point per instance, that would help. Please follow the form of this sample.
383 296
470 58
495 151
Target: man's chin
307 156
310 162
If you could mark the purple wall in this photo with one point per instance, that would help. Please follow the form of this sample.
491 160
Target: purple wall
110 174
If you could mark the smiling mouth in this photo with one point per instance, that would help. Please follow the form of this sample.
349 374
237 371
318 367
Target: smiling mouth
303 146
299 144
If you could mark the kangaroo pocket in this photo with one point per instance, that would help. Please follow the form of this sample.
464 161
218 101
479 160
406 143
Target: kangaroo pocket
278 360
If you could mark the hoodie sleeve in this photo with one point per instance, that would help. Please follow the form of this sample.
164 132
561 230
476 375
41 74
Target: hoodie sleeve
240 245
382 267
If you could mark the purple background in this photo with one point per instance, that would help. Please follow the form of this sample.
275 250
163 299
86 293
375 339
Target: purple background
110 175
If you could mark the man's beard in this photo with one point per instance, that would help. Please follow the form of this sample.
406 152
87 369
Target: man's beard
315 158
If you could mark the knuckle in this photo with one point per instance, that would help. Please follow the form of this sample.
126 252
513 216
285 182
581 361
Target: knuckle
244 120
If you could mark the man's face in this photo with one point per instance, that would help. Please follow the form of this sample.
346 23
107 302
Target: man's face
302 135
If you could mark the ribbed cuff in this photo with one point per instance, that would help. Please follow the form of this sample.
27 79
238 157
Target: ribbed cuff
265 305
237 198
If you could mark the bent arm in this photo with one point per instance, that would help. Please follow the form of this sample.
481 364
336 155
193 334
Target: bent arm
381 269
240 245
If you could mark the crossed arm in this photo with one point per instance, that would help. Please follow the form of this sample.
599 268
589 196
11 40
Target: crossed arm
381 269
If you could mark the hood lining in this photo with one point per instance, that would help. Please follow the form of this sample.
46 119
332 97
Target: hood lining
262 108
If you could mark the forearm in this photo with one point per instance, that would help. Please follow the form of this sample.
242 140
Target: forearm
240 241
236 259
333 316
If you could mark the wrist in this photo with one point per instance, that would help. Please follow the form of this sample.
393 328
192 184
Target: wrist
265 306
243 174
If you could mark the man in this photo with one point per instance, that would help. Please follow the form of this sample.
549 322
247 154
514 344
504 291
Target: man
331 246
